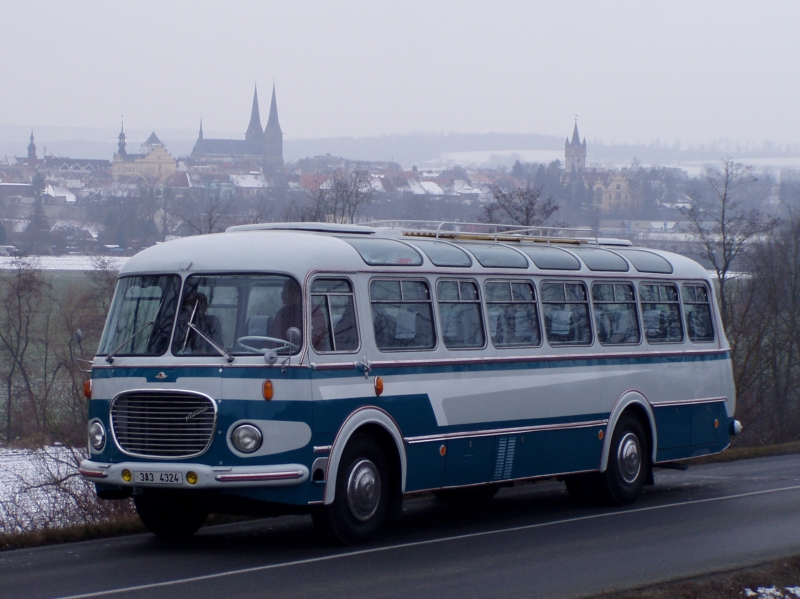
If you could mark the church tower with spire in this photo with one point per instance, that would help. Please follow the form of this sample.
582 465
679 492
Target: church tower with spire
121 143
575 153
32 149
254 132
273 137
259 148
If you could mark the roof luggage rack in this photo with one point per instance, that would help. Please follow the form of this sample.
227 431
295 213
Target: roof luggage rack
491 232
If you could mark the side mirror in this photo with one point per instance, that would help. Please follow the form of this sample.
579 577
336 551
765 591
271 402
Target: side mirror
293 335
270 357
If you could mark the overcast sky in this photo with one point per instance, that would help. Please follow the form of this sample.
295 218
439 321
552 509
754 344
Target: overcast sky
632 71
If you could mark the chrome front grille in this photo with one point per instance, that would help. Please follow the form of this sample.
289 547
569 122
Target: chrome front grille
163 424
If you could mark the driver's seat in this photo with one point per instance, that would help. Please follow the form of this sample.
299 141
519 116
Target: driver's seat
257 326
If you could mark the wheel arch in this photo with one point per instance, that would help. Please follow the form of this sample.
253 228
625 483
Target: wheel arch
383 428
631 402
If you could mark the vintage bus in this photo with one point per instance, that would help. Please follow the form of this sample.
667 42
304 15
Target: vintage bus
335 369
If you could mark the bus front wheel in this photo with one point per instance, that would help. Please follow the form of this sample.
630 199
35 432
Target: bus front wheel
362 494
169 516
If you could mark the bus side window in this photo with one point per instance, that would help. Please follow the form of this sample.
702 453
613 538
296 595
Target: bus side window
513 318
661 313
333 316
402 314
565 307
615 314
698 312
460 313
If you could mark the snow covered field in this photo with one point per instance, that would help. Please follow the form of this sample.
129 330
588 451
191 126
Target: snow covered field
68 262
28 496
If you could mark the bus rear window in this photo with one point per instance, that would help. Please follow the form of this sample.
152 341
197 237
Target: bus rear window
698 313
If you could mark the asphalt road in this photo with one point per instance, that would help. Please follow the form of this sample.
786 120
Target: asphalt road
530 541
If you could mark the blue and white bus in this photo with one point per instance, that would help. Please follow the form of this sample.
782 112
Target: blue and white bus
335 369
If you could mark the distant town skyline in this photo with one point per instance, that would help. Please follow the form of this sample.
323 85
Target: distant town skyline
693 71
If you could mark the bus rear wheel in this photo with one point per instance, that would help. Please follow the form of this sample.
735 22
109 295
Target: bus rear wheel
626 472
628 461
362 494
169 516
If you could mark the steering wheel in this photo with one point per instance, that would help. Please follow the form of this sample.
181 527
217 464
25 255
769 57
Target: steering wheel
282 343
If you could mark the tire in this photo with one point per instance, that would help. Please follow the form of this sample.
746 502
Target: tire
362 494
468 495
168 516
628 462
626 473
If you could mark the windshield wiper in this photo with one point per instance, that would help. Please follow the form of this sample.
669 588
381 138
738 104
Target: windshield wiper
110 356
191 325
221 350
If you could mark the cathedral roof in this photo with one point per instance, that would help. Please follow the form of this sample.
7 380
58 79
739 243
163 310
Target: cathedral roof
226 147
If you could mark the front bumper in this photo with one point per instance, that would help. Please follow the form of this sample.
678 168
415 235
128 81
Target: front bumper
208 477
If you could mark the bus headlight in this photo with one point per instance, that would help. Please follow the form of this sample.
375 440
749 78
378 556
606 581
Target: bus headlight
97 435
246 438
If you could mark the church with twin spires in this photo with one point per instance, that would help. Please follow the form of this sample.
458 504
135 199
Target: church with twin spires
263 147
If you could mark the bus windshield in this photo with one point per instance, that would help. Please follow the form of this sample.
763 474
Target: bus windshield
141 316
242 314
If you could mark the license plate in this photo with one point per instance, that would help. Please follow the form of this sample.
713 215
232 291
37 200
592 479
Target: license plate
158 478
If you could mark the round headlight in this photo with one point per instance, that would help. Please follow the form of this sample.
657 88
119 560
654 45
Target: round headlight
246 438
97 435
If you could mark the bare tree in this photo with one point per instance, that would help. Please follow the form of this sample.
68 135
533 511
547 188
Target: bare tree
765 334
523 206
339 199
211 213
722 224
22 298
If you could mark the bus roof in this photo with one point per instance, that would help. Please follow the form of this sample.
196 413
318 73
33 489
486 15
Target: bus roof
299 248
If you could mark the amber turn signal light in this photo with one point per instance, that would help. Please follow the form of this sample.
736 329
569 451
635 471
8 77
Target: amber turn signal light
267 390
378 385
87 389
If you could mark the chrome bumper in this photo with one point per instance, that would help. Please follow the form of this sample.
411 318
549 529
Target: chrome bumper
208 477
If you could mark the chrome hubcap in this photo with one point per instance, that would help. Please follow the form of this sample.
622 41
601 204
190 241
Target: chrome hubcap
629 458
363 490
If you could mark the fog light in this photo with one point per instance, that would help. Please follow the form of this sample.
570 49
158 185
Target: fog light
191 478
97 435
127 476
246 438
